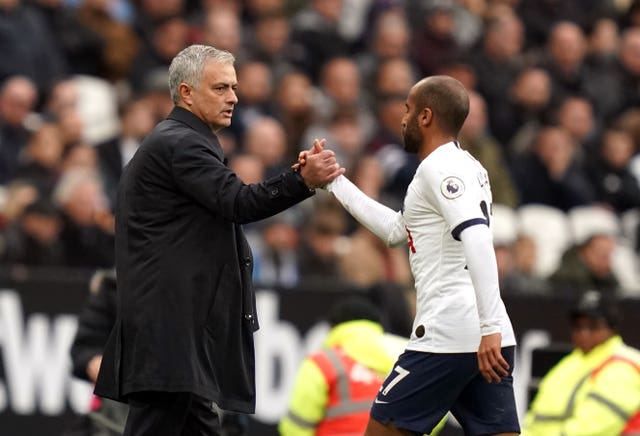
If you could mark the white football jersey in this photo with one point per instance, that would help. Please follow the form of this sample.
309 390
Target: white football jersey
449 192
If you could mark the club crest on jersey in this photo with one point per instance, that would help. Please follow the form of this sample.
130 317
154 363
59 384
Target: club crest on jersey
452 187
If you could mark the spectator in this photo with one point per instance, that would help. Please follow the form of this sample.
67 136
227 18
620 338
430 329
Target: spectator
315 36
254 97
253 10
87 233
318 252
594 390
625 88
433 40
587 265
603 43
43 158
34 238
168 37
63 96
266 138
515 255
249 167
223 30
276 260
476 138
610 171
388 39
136 121
575 114
345 132
148 13
80 157
26 41
564 59
394 76
529 104
497 62
541 15
551 174
117 43
270 42
20 194
293 106
629 121
18 99
341 88
155 92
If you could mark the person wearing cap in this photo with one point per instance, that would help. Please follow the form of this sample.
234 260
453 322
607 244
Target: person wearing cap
335 385
595 390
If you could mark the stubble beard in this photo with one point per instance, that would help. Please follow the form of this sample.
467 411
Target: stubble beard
412 137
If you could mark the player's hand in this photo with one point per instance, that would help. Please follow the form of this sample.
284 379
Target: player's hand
490 361
317 147
319 166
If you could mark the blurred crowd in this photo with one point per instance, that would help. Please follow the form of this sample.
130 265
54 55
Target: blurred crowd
555 119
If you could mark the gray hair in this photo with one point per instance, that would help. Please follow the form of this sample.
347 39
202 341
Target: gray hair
186 66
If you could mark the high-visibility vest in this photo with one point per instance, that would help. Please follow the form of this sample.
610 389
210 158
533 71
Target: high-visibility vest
633 425
555 405
352 388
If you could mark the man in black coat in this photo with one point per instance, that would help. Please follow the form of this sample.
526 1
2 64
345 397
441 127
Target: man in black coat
186 314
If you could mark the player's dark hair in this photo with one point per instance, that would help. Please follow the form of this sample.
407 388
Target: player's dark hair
447 98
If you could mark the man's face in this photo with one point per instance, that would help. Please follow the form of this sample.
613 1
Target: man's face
587 333
214 98
411 134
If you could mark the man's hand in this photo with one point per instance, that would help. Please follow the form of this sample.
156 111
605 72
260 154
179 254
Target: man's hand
93 367
317 147
318 166
490 361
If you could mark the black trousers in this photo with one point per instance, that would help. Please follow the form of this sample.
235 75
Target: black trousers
171 414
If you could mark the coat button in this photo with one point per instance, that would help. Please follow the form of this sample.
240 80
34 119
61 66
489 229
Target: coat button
248 317
247 261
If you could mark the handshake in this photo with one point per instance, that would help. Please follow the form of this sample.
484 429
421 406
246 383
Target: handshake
318 166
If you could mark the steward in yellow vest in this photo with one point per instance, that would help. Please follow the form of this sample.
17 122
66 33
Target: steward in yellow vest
595 390
335 386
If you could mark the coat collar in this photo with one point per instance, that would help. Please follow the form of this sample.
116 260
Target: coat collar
184 116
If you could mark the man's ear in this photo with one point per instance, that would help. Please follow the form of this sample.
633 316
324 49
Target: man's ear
186 93
426 117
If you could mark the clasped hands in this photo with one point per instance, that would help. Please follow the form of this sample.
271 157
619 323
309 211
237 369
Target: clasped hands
318 166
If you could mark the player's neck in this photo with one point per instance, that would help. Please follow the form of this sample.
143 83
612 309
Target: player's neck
430 144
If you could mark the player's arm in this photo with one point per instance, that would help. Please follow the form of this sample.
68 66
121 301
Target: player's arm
381 220
477 243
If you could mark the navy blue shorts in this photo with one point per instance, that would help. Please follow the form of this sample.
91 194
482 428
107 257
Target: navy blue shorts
423 387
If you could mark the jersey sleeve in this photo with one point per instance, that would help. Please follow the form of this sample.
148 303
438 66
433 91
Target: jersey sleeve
455 196
481 262
382 221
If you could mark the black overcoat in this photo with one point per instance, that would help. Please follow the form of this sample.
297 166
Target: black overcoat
186 309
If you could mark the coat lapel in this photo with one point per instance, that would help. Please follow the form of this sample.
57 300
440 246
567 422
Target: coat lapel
184 116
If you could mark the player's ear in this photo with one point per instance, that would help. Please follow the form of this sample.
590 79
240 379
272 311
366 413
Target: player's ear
426 117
